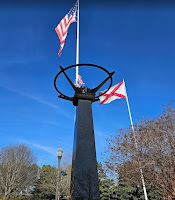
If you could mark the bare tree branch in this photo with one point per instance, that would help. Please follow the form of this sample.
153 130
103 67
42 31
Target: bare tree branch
156 151
17 169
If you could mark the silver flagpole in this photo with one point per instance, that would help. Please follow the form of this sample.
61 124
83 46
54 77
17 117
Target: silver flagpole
135 140
77 50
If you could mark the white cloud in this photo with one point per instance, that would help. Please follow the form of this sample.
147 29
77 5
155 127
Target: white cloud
38 100
47 149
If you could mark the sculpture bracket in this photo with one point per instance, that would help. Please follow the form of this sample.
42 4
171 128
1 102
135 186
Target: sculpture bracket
83 92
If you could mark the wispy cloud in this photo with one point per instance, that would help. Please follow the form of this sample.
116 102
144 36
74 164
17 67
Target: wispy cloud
38 100
47 149
54 123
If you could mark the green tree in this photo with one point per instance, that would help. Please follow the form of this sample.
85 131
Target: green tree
45 187
126 191
105 184
46 184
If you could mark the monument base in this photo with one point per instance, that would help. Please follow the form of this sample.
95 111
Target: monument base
84 183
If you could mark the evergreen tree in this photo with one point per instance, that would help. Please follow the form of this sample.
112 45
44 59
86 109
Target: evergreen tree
45 187
46 184
105 184
125 191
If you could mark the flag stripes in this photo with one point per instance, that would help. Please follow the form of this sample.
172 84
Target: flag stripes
79 81
63 26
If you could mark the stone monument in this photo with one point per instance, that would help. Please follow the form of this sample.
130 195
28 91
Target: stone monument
84 177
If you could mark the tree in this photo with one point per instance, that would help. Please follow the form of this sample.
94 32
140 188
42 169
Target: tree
105 184
18 170
66 180
126 191
156 153
46 184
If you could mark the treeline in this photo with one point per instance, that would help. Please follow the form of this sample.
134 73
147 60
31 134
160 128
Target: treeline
45 187
21 178
18 170
119 175
122 189
155 154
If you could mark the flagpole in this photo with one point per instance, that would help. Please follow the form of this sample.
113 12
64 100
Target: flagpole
77 48
135 140
77 51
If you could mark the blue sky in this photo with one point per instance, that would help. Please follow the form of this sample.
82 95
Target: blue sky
136 40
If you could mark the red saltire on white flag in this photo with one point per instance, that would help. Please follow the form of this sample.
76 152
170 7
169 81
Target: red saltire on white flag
115 92
62 28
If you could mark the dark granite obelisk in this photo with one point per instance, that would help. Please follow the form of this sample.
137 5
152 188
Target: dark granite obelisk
84 183
84 177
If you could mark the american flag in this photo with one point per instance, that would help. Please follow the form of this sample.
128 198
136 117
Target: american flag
62 28
79 81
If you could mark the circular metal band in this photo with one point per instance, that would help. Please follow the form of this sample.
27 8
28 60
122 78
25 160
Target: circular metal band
82 65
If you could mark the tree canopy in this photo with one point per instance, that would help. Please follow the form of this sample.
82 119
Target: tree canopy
155 153
18 170
105 184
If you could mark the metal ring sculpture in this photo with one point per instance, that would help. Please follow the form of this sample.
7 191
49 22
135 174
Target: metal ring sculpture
76 89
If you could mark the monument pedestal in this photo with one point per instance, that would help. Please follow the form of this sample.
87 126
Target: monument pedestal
84 178
84 183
